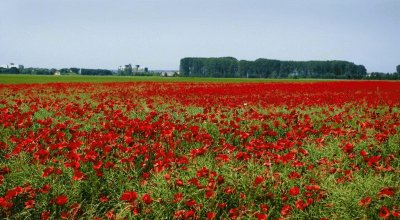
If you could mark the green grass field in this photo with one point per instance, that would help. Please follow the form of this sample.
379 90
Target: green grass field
20 79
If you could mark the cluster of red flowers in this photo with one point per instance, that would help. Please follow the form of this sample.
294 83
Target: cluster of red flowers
199 150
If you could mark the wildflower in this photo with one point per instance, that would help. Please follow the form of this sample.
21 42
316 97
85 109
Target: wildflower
384 212
294 191
30 204
211 215
258 180
61 200
146 198
129 196
365 201
388 191
285 210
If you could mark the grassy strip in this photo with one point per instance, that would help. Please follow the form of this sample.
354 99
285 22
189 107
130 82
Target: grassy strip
26 79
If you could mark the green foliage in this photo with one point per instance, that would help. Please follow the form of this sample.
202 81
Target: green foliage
383 76
209 67
63 71
36 71
98 72
12 70
267 68
74 70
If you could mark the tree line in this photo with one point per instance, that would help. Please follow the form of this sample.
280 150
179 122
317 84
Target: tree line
98 72
231 67
383 76
77 71
269 68
52 71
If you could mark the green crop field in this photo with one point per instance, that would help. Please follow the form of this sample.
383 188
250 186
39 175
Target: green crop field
20 79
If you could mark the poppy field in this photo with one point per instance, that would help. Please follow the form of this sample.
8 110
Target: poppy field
191 150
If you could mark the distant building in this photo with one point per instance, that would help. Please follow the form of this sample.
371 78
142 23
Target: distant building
125 68
136 69
132 69
57 73
12 65
169 73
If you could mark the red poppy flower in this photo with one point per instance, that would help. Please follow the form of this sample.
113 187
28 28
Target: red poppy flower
179 182
129 196
110 214
190 214
258 180
203 172
190 202
294 175
286 209
221 205
234 213
294 191
78 175
261 216
103 198
264 207
209 194
301 205
348 148
30 204
97 165
61 200
47 171
365 201
211 215
178 197
220 180
64 215
396 213
388 191
384 212
45 188
45 215
147 199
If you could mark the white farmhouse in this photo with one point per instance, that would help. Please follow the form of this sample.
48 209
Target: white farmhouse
169 73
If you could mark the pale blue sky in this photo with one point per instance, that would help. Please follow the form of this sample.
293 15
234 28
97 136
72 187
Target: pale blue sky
158 33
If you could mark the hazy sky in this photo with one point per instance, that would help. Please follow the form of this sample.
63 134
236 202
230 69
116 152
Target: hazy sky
158 33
